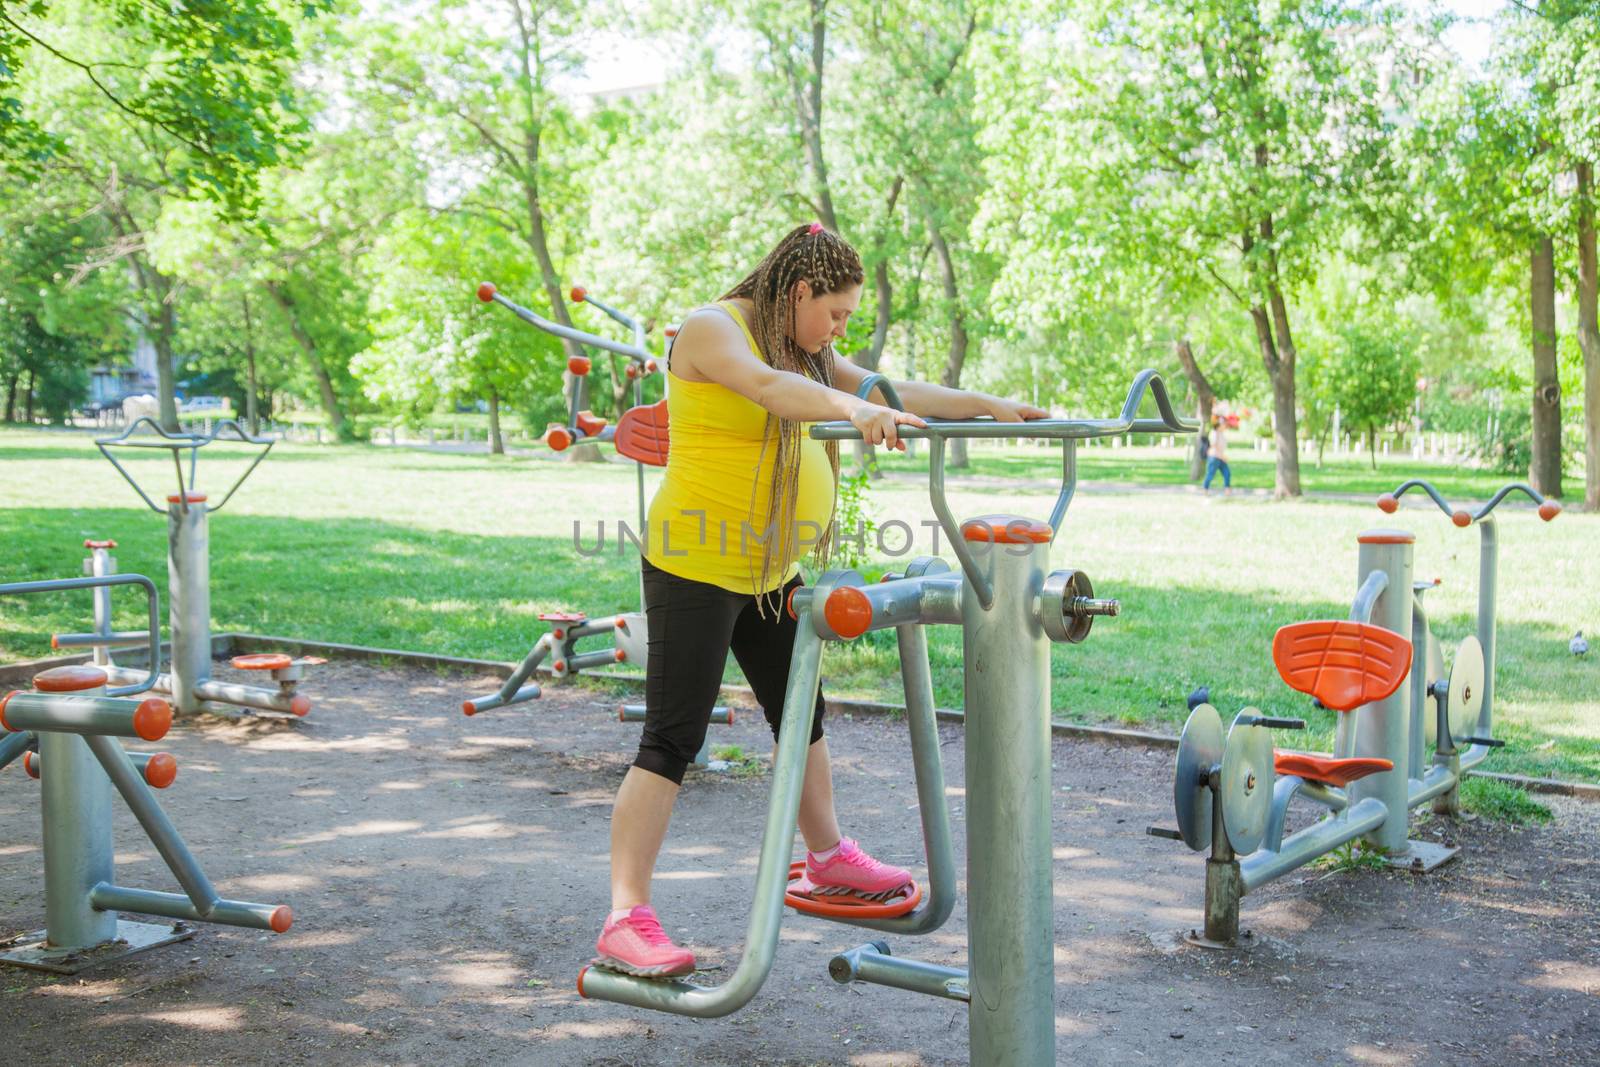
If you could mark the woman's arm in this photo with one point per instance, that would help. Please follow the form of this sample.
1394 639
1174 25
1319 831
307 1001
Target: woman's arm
710 348
938 401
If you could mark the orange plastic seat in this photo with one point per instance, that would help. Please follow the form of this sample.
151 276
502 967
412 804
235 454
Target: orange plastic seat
1343 664
590 423
562 616
642 434
1339 772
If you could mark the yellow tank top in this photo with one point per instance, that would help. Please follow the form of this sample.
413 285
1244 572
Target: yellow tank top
707 517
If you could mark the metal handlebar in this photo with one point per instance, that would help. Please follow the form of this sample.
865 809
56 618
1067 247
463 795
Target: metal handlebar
884 385
581 295
636 351
96 582
1068 431
194 443
1389 503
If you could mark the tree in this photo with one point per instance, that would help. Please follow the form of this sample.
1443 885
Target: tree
207 80
197 106
481 109
1371 374
1233 141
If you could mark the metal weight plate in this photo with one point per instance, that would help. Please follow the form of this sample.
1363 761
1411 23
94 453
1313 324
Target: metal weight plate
1199 750
1247 779
1436 673
1466 688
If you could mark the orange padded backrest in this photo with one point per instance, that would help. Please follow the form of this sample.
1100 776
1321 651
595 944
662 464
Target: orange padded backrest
642 434
1343 664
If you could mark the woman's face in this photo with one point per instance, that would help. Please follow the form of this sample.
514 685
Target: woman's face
820 319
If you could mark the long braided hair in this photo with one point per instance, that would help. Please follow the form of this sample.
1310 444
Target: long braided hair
827 263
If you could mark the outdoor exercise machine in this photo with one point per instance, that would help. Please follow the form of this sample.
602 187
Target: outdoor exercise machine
1378 670
66 733
188 513
1011 608
640 434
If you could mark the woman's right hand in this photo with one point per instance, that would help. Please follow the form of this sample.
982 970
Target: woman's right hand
879 425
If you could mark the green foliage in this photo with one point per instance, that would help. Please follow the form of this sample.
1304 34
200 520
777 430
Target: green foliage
214 87
1352 856
856 539
1502 802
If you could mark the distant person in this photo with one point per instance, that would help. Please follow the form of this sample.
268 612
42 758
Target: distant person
1217 456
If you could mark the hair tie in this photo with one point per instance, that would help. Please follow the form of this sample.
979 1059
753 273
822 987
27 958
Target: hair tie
814 229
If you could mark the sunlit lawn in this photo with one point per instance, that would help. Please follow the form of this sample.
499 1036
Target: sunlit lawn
457 554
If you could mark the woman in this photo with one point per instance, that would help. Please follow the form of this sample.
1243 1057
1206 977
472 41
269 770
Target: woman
743 485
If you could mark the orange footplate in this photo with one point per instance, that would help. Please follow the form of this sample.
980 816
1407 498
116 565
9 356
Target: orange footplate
1343 664
845 906
1339 772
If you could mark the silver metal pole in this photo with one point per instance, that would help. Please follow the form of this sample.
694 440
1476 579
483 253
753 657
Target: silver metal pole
1488 580
84 713
101 640
274 917
1382 726
1315 840
156 825
13 745
99 564
772 873
1009 903
189 596
872 963
928 766
250 696
75 803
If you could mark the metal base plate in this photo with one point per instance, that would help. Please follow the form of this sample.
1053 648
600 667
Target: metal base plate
1198 940
30 950
1420 857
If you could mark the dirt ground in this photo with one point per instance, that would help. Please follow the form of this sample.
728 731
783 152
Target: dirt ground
448 876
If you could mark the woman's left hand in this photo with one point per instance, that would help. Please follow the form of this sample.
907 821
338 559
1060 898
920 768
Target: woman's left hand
1011 410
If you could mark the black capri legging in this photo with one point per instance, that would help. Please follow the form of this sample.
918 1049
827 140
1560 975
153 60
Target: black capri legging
692 626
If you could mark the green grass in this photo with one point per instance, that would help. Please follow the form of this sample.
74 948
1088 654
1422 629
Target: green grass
1351 856
1502 802
457 554
1252 470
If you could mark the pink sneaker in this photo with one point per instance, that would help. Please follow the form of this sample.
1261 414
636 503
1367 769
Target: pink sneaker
636 944
851 872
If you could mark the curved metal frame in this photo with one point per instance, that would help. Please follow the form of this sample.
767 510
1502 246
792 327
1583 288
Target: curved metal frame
175 441
1068 431
96 582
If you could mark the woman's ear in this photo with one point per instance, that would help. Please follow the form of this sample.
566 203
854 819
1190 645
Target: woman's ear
801 291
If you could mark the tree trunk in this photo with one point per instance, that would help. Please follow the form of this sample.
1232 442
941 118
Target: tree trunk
166 328
251 415
497 446
1281 373
957 356
1544 467
1589 335
540 245
330 399
1372 446
28 398
11 395
809 101
1204 394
